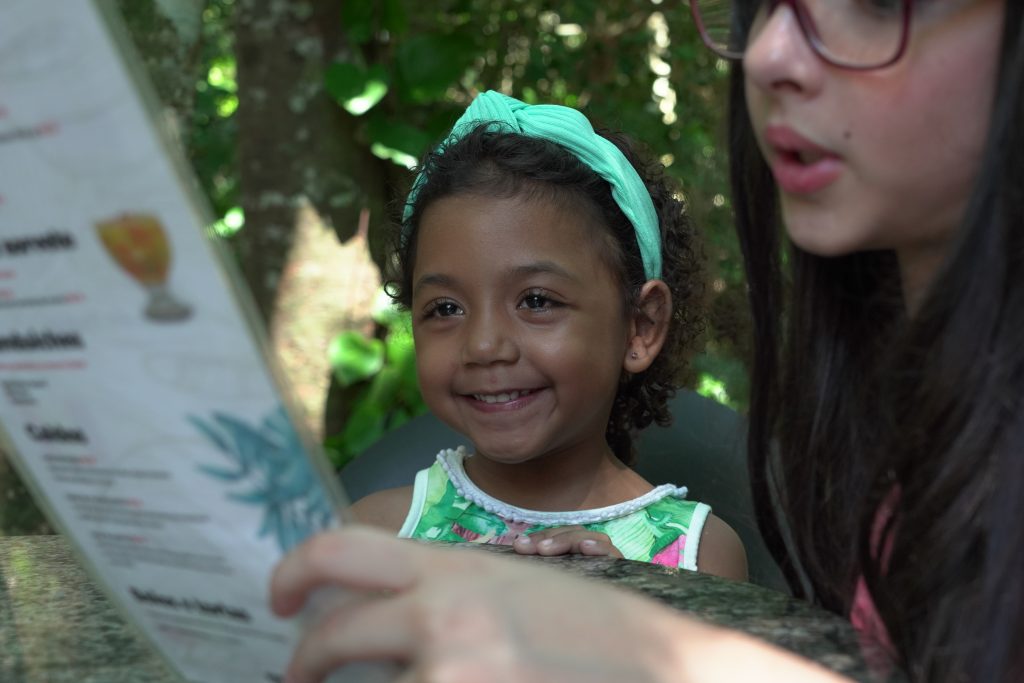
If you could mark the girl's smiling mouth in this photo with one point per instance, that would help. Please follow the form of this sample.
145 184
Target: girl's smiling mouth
504 399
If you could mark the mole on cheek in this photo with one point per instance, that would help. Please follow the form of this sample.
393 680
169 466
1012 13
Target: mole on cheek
847 134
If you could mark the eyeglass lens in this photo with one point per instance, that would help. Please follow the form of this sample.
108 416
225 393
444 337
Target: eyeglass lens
859 33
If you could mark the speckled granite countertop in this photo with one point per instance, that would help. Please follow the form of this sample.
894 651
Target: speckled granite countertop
56 626
772 616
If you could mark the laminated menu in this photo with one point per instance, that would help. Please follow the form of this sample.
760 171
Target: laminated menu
136 398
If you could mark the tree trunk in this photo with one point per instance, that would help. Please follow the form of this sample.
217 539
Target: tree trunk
165 34
304 184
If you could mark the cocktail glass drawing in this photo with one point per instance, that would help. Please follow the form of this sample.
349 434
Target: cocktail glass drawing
138 244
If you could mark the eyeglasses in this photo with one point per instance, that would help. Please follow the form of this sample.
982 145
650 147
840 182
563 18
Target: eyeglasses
851 34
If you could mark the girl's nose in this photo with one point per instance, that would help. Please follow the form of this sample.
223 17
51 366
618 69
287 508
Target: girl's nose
488 340
778 57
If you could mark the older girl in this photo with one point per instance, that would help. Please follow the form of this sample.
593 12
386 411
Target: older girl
886 139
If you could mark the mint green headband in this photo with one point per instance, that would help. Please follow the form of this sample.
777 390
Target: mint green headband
570 129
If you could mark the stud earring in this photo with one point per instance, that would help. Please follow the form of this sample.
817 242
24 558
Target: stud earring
634 355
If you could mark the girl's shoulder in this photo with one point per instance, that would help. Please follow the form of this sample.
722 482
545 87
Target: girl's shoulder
386 509
721 551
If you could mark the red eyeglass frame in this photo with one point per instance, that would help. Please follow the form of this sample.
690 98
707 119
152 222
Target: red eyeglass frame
810 31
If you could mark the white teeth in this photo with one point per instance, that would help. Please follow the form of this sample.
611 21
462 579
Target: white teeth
501 398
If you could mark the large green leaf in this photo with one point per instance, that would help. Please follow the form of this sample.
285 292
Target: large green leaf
395 19
398 141
429 64
401 355
365 425
358 18
382 151
385 387
399 346
355 358
355 88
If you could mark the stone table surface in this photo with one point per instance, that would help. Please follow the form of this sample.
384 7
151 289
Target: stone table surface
57 626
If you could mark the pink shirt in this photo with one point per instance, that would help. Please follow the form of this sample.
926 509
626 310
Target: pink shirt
875 642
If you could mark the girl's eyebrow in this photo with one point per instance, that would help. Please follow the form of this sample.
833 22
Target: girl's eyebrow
542 268
535 268
436 279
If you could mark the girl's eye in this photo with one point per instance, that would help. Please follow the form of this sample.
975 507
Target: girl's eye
442 308
537 301
882 7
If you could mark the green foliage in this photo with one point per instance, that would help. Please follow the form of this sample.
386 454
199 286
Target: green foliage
427 65
19 515
395 140
356 88
232 222
355 358
409 71
212 137
638 67
384 374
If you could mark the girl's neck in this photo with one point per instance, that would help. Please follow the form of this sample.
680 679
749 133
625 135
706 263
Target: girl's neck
918 268
580 479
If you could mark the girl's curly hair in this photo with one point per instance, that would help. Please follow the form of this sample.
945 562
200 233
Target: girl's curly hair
502 165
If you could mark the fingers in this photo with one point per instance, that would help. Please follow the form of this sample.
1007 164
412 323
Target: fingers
366 639
355 558
566 540
424 633
360 586
599 547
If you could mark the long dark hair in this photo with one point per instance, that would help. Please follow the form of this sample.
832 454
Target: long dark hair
493 164
855 407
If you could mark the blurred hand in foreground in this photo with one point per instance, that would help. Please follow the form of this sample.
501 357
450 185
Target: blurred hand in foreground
458 616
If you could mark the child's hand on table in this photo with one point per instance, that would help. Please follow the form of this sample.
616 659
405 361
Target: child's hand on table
566 540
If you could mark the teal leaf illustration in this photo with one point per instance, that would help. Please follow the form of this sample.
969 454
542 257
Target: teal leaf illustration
210 434
220 473
254 497
271 472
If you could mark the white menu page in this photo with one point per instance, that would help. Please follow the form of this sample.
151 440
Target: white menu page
135 397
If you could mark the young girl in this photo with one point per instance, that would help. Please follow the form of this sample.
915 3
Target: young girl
551 278
886 140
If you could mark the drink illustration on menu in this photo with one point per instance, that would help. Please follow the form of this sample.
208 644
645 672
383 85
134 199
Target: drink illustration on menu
137 242
137 398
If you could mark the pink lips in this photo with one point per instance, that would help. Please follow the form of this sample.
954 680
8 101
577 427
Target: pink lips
799 165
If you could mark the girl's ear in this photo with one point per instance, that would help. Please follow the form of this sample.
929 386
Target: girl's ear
648 326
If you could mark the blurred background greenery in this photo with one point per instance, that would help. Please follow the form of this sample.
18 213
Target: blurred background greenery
302 120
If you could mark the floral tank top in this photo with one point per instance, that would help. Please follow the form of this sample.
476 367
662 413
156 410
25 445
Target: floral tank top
660 526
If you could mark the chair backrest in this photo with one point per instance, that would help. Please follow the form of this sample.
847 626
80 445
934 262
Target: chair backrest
704 449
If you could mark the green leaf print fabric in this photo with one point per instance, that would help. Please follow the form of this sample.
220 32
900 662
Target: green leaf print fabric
656 533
